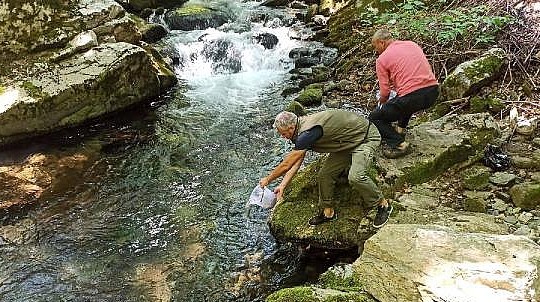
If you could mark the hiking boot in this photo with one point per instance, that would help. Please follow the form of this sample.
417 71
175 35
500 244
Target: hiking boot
321 218
383 213
395 152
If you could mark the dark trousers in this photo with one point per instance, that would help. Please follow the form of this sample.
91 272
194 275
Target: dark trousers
400 109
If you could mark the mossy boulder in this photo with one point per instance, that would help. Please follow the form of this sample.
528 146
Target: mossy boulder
296 108
526 195
470 76
104 79
289 218
337 284
310 96
476 177
437 146
192 17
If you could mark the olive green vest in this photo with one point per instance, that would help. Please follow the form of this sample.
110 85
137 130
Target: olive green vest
342 130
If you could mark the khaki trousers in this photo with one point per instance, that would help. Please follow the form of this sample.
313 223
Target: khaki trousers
359 160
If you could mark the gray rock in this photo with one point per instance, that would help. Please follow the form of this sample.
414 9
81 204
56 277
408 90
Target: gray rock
536 142
525 217
193 17
476 177
421 197
500 205
510 219
523 231
502 178
104 79
447 265
22 232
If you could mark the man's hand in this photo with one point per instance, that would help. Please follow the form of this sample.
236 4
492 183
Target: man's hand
263 182
279 192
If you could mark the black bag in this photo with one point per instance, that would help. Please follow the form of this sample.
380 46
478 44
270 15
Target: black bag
495 158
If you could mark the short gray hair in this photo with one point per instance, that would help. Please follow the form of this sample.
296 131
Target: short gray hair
285 119
382 34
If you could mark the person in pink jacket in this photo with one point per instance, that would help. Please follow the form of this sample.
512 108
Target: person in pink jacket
403 67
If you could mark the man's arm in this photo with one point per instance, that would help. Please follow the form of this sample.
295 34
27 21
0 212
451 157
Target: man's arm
294 157
383 76
287 178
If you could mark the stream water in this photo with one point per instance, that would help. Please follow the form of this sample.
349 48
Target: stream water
162 217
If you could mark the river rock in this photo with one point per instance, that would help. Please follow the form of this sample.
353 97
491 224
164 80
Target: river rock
470 76
447 265
500 205
438 145
139 5
103 79
223 55
267 40
22 232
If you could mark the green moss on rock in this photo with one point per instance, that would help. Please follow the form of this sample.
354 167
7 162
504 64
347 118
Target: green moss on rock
526 195
310 97
296 108
479 104
295 294
476 178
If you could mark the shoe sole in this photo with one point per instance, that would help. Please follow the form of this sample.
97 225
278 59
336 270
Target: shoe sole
379 226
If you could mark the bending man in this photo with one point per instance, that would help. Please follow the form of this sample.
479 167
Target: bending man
350 141
403 67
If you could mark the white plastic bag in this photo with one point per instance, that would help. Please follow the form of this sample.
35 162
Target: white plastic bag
264 198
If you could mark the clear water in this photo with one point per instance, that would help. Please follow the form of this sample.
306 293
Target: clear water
163 218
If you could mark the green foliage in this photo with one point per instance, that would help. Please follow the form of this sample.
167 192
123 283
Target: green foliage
436 24
2 89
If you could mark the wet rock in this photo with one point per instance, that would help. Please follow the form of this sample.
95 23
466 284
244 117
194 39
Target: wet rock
510 219
275 3
139 5
267 40
224 57
298 5
526 195
441 255
470 76
193 17
525 217
523 231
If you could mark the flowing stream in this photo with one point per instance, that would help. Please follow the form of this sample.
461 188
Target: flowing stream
162 216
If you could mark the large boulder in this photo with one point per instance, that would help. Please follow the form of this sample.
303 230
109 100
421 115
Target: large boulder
470 76
104 79
139 5
526 195
435 263
192 17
